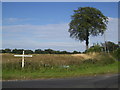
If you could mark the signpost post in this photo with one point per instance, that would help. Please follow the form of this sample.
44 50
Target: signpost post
23 56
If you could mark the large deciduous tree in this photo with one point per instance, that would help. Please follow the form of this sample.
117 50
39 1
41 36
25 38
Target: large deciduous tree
87 21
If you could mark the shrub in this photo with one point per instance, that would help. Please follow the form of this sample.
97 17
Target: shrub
96 48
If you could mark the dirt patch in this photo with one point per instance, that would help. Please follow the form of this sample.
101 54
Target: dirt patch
86 56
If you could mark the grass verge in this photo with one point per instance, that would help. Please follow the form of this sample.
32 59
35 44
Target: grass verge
104 64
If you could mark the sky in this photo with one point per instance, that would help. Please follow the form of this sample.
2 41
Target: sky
43 25
60 0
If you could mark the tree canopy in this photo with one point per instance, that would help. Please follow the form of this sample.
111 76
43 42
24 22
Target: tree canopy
87 21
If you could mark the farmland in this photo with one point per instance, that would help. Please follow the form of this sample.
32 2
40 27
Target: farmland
42 66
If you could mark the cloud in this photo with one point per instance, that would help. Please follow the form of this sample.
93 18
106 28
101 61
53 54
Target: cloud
112 30
55 36
37 31
14 20
110 19
119 30
31 44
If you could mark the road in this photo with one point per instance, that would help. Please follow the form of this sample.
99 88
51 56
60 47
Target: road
101 81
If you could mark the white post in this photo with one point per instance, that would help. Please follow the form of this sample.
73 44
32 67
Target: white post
23 56
23 60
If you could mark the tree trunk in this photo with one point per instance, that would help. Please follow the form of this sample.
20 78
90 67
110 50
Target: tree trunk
87 43
87 40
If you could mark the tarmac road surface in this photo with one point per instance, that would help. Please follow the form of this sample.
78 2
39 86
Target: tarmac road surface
100 81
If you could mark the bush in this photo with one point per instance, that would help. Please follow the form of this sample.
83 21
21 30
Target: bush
96 48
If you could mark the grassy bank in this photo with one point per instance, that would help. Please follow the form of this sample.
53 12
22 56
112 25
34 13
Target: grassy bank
58 66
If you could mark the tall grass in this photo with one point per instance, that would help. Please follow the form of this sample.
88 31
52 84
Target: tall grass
54 65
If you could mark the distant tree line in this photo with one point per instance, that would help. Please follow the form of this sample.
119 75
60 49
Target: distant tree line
37 51
103 47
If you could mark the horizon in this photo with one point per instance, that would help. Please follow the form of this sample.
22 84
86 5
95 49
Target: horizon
48 48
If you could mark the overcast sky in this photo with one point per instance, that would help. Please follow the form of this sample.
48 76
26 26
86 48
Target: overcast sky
44 25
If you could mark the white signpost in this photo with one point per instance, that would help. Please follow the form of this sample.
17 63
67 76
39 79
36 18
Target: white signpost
23 56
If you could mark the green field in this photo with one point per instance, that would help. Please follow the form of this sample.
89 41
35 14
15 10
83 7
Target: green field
42 66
